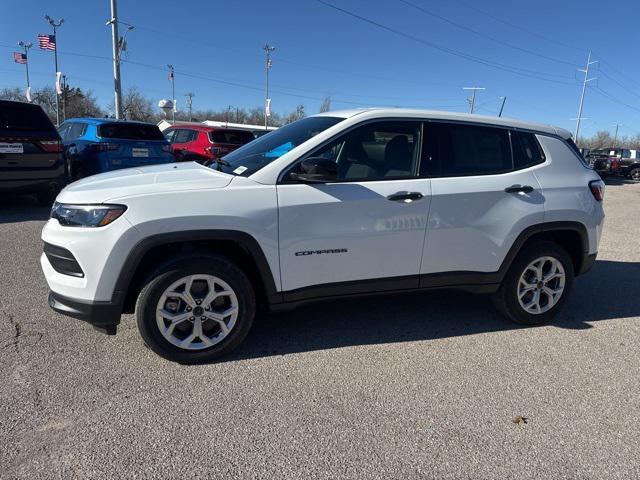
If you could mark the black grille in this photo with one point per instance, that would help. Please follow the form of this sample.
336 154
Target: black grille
62 260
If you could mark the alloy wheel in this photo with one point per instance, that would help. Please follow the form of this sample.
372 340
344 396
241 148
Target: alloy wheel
197 312
541 285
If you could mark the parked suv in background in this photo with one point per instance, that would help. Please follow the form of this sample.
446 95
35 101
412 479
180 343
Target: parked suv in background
96 145
342 203
203 144
31 159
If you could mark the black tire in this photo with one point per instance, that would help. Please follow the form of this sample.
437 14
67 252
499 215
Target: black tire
506 299
634 174
172 271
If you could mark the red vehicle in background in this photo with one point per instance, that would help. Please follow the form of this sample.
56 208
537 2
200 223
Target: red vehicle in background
202 143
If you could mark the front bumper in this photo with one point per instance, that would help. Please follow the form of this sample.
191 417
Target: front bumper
103 316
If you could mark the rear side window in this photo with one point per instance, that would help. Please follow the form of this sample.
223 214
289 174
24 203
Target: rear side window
130 131
17 117
526 150
453 150
76 130
184 136
234 137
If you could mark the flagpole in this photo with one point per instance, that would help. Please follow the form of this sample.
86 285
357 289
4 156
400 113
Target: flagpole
26 46
55 25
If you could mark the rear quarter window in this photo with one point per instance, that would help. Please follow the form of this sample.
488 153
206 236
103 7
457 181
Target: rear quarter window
234 137
526 150
130 131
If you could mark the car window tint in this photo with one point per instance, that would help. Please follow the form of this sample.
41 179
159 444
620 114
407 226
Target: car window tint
454 150
182 136
130 131
23 117
526 150
234 137
169 134
76 130
63 130
374 152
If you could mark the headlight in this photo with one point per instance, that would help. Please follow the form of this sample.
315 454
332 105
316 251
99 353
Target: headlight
86 215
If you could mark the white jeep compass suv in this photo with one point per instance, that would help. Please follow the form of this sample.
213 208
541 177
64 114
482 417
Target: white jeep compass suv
342 203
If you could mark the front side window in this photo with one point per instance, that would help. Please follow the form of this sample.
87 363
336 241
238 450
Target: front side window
377 151
169 134
456 150
255 155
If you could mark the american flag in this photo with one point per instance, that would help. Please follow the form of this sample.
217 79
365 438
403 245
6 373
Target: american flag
47 42
20 57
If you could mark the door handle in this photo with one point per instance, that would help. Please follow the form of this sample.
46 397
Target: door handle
406 197
519 188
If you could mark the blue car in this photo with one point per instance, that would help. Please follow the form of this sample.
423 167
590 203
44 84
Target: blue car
97 145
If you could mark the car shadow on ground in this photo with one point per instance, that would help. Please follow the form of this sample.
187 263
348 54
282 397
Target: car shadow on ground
618 181
610 291
21 208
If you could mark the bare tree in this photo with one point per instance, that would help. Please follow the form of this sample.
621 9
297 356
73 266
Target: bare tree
326 105
135 106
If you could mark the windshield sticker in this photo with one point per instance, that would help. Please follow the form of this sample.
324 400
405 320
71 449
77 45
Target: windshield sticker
239 170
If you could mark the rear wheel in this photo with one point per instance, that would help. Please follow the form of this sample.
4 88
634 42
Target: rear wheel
195 309
536 285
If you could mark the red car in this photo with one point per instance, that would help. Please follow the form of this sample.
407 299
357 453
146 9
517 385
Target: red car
203 144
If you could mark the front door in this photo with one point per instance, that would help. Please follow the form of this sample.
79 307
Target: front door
367 227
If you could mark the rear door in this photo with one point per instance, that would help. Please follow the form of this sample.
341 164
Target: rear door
29 143
133 144
181 142
482 197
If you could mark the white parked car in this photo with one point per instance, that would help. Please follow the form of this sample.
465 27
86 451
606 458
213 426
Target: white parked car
342 203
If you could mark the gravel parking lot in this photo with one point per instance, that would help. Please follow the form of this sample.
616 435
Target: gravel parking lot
420 386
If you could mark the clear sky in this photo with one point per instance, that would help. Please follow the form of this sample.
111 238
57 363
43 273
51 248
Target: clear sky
421 53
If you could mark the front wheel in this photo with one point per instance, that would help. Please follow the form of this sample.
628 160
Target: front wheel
536 285
195 309
635 174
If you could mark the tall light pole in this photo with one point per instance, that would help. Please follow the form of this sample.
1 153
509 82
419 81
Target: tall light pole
584 88
189 102
55 25
473 96
615 137
26 46
229 107
172 78
267 101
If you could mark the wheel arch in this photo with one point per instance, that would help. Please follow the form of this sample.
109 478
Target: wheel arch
238 246
572 236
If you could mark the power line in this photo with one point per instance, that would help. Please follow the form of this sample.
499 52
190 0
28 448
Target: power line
483 35
499 66
518 27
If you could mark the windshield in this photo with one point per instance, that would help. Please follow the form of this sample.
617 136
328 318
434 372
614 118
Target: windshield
251 157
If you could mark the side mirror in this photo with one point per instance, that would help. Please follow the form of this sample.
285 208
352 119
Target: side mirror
316 170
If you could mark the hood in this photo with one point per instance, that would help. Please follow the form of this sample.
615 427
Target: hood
127 182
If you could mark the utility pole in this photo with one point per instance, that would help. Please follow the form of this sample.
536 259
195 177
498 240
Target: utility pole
615 137
267 101
55 26
189 102
118 45
229 107
64 97
26 46
172 78
473 96
584 88
504 99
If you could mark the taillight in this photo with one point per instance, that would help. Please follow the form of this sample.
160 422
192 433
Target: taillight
597 189
51 146
104 147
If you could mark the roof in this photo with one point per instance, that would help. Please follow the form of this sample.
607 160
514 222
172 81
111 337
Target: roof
100 121
452 116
